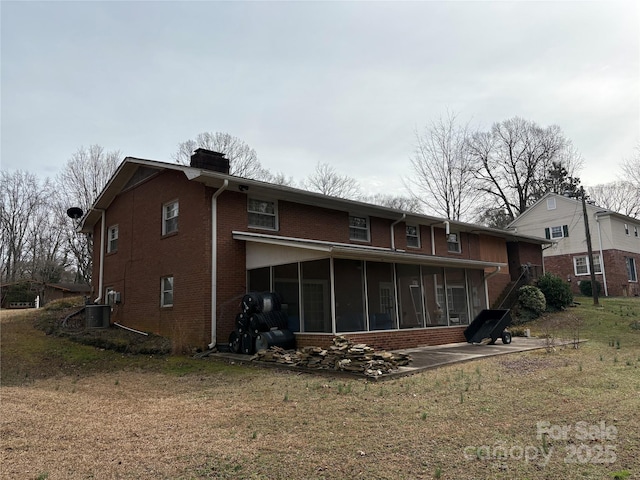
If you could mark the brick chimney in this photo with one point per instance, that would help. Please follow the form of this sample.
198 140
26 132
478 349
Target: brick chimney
210 160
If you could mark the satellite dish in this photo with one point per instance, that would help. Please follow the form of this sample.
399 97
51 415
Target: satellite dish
75 212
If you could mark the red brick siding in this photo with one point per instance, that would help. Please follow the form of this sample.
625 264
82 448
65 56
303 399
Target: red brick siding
144 256
615 269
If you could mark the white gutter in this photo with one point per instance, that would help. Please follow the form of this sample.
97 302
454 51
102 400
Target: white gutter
393 237
103 234
214 260
604 276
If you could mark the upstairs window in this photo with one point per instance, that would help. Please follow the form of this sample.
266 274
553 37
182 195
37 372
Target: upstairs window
166 292
112 239
626 229
359 228
556 232
413 236
262 214
551 203
635 231
170 217
453 243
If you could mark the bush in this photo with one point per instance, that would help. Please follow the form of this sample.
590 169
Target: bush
531 304
585 288
532 298
556 291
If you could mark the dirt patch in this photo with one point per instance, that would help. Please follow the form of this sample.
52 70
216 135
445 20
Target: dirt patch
529 364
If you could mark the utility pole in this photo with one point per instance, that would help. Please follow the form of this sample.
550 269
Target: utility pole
594 285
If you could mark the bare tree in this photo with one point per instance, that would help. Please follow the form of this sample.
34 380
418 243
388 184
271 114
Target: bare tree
514 159
326 180
620 196
243 159
21 195
46 253
443 176
631 168
80 182
407 204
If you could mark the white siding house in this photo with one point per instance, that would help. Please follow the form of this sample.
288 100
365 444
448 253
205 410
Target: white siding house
615 241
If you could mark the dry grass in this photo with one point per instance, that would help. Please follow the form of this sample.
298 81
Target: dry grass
144 418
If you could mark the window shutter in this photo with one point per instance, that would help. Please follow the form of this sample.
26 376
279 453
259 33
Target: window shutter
547 234
565 230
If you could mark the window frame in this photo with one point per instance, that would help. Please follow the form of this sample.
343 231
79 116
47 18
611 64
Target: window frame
110 241
457 242
356 228
553 232
163 291
597 265
416 236
551 203
166 219
632 274
635 231
273 215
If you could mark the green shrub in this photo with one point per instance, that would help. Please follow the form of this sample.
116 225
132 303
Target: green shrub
585 288
531 298
556 291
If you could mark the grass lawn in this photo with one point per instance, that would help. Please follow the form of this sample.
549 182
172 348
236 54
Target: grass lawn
72 411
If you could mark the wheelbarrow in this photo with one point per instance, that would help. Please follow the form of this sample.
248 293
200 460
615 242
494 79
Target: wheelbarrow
488 326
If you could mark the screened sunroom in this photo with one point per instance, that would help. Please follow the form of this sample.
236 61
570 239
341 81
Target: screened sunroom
337 288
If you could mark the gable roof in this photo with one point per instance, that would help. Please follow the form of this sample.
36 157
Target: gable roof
590 206
127 170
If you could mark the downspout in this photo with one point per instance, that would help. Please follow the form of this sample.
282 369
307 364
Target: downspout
102 249
447 231
486 287
214 260
433 242
393 237
604 276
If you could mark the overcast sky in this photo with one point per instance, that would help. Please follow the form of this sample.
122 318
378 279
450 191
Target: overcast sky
342 83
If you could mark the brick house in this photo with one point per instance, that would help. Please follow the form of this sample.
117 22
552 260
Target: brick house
615 242
176 247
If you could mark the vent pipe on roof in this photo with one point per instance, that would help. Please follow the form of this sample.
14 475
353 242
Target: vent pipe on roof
210 160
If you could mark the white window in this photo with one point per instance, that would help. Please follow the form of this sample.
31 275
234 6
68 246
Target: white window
166 292
581 265
635 231
626 229
558 231
631 269
170 217
551 203
359 228
453 243
112 239
262 214
413 236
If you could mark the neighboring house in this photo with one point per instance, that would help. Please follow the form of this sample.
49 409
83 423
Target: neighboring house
176 247
57 291
46 291
615 242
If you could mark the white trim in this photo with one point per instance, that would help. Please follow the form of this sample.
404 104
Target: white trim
364 252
